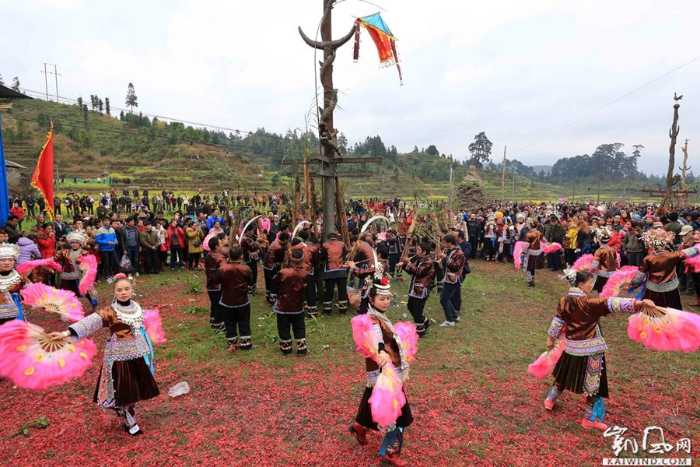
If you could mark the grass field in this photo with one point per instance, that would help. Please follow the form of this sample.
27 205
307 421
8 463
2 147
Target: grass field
474 403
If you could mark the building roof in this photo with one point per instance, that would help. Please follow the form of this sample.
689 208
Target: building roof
8 93
14 165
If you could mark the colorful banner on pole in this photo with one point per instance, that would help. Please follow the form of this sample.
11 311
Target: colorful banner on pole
383 39
42 179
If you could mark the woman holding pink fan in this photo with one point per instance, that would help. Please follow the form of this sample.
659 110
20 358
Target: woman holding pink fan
581 368
383 406
657 273
126 376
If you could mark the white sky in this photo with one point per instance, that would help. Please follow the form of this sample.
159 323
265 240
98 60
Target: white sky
515 69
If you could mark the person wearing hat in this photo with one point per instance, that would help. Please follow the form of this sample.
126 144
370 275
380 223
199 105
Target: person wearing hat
11 282
289 306
604 260
70 267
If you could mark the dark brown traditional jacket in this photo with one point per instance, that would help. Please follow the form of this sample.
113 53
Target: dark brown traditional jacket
250 248
604 261
274 257
311 258
291 292
234 280
581 315
212 263
333 254
422 271
660 269
68 267
454 266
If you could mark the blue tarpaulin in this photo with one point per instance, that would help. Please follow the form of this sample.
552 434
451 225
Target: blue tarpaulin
4 192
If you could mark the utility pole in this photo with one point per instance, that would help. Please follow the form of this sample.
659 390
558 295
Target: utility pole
503 176
451 167
56 75
46 81
381 187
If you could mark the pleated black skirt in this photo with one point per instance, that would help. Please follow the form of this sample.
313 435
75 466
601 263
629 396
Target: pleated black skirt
570 373
670 299
364 413
133 382
535 262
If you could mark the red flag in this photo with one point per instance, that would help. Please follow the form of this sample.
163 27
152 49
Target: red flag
43 174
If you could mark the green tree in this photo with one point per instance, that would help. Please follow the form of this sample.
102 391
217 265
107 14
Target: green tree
80 102
131 99
480 150
107 106
396 174
85 113
121 115
275 180
432 150
343 143
100 105
15 84
2 83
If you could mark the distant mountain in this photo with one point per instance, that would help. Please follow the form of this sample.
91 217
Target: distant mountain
539 168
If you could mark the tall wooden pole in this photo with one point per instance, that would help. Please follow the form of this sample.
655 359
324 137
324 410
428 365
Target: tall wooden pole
503 176
684 170
673 134
327 134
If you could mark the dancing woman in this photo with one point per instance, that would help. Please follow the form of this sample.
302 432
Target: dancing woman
581 369
658 269
390 350
126 376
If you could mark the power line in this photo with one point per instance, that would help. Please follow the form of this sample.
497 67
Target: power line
229 146
606 105
162 117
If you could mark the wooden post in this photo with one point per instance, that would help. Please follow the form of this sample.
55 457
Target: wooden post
297 196
684 185
342 217
503 176
667 202
307 177
327 134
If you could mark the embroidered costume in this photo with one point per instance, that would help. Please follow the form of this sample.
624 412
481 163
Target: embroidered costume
581 368
10 285
534 258
657 273
126 376
604 261
389 342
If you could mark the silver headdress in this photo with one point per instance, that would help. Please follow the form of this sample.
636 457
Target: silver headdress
9 250
569 276
77 236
